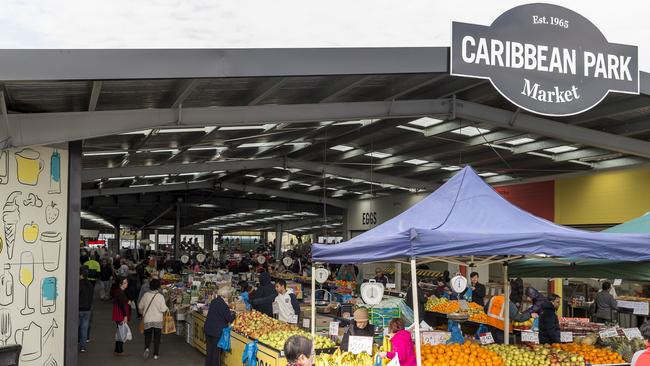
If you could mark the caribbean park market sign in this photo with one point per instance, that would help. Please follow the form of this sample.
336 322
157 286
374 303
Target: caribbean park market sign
545 59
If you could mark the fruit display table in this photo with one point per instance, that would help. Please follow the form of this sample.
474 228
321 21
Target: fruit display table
198 336
266 356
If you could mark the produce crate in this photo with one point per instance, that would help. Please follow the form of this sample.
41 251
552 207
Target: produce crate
380 317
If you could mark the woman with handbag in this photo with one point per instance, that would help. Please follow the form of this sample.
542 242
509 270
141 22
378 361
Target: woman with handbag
219 316
153 307
121 310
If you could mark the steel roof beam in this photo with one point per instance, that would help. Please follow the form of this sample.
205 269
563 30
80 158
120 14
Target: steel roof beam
186 89
409 86
94 95
48 128
537 145
282 193
264 90
581 154
545 127
342 90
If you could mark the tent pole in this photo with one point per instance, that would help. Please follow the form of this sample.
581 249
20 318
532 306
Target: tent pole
506 294
313 302
416 311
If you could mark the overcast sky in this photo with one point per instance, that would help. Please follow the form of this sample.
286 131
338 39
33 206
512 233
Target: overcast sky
281 23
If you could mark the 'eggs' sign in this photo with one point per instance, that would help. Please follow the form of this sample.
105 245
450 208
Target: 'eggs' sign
545 58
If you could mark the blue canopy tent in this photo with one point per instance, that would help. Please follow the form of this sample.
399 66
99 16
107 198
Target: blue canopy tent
467 220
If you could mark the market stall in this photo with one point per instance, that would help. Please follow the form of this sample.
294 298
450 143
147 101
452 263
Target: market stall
466 222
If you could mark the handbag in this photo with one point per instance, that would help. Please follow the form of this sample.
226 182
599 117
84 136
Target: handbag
169 324
145 314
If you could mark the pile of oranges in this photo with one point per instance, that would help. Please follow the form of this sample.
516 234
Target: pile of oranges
467 354
479 318
447 307
591 354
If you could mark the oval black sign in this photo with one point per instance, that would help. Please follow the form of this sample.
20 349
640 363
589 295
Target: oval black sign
545 59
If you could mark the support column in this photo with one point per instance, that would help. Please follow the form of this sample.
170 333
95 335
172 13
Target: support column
208 240
156 240
118 234
72 255
177 230
506 315
398 277
416 310
278 241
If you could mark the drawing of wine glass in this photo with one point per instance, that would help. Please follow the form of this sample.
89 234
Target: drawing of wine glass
26 278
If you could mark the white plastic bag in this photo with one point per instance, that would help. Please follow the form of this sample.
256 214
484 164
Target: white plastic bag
394 361
123 333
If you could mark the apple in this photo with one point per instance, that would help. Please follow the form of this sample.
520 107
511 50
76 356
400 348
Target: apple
30 232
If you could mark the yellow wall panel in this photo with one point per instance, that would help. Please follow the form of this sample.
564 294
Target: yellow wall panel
605 198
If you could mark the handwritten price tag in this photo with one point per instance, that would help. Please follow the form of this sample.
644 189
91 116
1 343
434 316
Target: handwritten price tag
334 329
486 338
293 319
306 323
360 344
631 333
608 333
566 337
435 338
530 337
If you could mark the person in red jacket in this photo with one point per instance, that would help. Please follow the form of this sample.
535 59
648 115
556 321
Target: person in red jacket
642 358
121 310
402 343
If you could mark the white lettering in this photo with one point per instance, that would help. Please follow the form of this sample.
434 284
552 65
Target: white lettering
482 52
555 63
569 61
496 52
541 58
625 68
612 67
554 95
601 69
517 55
469 58
529 54
590 61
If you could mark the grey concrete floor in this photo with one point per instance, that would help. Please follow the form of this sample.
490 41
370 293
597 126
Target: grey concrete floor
173 349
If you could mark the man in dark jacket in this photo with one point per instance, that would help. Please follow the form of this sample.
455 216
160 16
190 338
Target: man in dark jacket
219 316
549 325
478 289
358 327
85 306
420 303
263 298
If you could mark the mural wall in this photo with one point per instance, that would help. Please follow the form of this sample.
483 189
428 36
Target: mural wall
33 217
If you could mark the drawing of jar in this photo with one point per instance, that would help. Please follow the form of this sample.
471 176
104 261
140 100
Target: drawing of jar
6 286
30 166
51 249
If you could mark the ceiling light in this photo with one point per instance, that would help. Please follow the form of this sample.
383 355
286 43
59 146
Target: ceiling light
487 174
426 122
251 176
188 174
182 130
206 148
249 127
342 148
451 168
416 161
332 189
358 122
520 141
305 184
105 153
140 132
470 131
279 179
561 149
410 128
155 176
378 155
257 144
121 178
298 143
140 185
173 151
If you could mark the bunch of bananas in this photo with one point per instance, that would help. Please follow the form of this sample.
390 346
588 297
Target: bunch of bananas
339 358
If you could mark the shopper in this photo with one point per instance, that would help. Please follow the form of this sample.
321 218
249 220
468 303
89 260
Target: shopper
402 344
517 292
549 325
121 310
642 358
265 295
287 303
359 326
105 274
152 307
85 306
219 316
299 351
380 277
536 299
478 289
133 290
347 273
496 320
605 304
93 270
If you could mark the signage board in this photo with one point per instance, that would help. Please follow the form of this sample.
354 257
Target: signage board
435 338
486 338
358 344
545 59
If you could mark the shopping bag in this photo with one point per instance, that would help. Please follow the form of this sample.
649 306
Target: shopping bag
481 329
123 333
394 361
536 324
249 357
456 335
169 324
224 340
379 361
468 295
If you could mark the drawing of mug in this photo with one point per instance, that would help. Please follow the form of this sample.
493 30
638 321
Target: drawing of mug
51 249
30 338
30 166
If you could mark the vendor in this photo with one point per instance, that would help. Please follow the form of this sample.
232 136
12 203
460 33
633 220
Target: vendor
262 299
358 327
286 302
478 289
380 277
495 310
347 273
420 301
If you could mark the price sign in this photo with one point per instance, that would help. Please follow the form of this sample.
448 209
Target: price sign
486 338
360 344
641 308
435 338
566 337
631 333
608 333
390 286
293 319
618 281
530 337
334 329
306 323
